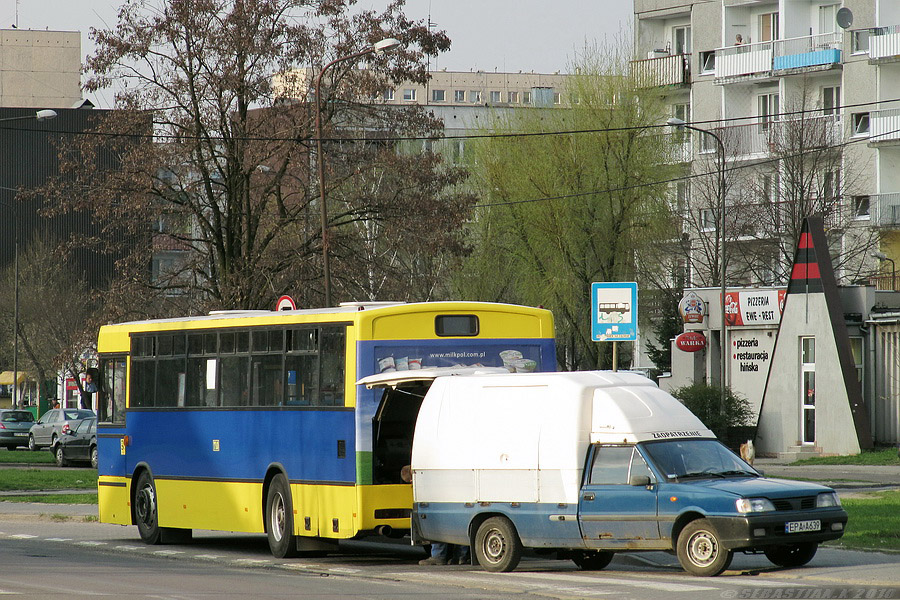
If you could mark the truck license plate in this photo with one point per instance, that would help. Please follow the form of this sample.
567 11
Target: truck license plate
801 526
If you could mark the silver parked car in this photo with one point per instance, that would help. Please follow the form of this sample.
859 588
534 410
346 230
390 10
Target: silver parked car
14 428
53 424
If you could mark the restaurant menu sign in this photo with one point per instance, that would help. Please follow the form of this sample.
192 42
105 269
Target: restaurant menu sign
755 307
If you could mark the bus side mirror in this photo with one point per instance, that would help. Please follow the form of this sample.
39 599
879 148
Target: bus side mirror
637 480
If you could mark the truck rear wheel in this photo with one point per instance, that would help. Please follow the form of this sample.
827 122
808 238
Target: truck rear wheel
592 561
700 550
497 545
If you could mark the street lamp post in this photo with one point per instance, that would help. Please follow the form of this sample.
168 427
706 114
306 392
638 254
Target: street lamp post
385 45
882 257
680 124
41 115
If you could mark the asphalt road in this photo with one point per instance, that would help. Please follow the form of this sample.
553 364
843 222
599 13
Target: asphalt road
70 558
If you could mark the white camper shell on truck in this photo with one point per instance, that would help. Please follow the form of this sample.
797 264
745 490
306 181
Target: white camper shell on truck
588 464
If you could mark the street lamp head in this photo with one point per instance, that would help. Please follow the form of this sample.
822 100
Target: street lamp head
676 122
45 115
386 45
879 255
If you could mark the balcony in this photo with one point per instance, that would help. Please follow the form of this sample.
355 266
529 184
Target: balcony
765 137
884 43
884 125
887 210
743 60
807 51
663 70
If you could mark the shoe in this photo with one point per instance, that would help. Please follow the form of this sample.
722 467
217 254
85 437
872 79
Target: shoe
433 560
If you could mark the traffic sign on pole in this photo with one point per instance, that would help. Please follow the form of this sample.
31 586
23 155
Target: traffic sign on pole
614 311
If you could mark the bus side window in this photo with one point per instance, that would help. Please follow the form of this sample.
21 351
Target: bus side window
111 400
332 353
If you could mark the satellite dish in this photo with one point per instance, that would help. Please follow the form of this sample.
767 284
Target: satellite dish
845 18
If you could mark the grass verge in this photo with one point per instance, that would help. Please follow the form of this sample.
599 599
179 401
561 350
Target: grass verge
874 522
25 456
885 457
43 479
53 498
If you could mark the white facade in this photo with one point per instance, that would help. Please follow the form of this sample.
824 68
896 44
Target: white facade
40 69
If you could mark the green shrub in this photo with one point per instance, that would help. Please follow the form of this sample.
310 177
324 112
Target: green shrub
705 401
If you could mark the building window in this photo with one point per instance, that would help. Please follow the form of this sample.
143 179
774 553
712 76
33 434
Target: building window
438 95
459 95
831 186
768 109
856 348
859 41
474 96
681 39
708 61
828 18
707 219
526 97
861 124
512 97
861 207
768 27
557 98
409 95
831 100
495 97
388 94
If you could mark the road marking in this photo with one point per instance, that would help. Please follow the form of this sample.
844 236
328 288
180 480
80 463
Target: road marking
130 548
58 539
208 556
554 579
250 561
343 570
168 552
22 536
90 543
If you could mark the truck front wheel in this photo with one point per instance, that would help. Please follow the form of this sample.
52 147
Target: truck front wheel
700 550
497 545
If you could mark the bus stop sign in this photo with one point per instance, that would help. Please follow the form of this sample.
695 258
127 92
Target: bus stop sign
614 311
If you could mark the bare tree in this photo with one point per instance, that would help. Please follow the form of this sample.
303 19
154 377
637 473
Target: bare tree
213 180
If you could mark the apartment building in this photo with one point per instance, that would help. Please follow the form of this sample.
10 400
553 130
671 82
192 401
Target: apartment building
775 81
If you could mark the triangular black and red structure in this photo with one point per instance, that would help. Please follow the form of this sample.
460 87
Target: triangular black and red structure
813 308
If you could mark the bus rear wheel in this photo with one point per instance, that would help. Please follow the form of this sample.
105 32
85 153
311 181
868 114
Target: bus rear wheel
280 519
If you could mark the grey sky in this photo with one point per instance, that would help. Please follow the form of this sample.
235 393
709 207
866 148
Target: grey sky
507 35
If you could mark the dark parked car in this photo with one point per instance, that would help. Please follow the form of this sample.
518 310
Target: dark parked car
78 445
52 424
14 428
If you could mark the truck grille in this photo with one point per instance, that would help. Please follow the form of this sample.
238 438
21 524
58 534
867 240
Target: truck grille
801 503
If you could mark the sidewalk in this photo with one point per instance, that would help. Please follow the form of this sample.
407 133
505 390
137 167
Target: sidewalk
837 476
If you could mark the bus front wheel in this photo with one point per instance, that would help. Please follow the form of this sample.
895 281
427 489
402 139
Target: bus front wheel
280 519
145 510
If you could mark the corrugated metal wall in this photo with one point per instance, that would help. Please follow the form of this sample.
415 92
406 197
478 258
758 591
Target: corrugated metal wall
28 157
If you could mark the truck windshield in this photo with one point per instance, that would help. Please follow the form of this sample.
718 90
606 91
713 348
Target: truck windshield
680 459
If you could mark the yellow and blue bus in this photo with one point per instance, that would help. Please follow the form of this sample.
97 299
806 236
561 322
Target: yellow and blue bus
252 421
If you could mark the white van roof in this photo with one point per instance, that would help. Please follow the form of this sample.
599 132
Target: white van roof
395 378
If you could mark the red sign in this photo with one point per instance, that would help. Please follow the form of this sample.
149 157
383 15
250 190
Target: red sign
690 341
754 307
285 303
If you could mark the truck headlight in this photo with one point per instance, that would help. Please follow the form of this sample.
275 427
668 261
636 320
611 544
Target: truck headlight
748 505
827 499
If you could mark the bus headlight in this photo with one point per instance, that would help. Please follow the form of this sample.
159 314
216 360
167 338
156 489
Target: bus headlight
748 505
827 500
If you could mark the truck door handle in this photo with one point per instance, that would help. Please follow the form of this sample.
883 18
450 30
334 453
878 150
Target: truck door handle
589 496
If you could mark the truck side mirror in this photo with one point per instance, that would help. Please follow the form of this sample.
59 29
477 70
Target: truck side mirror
642 480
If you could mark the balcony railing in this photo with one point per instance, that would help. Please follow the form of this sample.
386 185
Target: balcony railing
767 136
746 59
884 125
663 70
807 51
884 42
887 209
